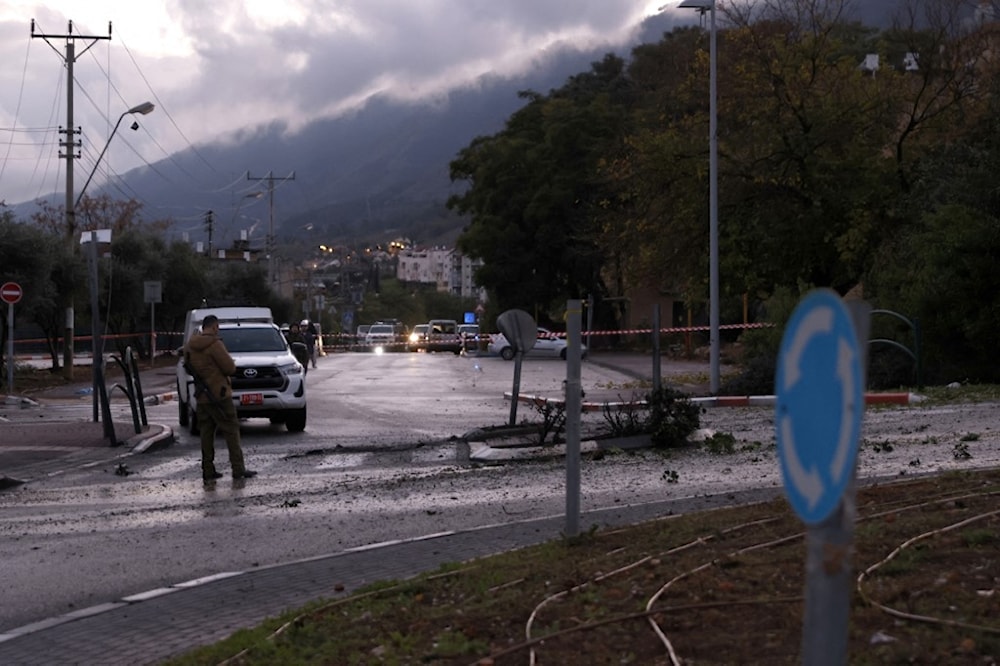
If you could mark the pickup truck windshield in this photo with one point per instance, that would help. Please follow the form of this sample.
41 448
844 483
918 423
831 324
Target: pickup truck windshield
242 340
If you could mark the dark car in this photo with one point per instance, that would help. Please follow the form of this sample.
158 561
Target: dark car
442 335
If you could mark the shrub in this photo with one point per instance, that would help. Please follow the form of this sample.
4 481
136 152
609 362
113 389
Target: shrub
672 417
630 419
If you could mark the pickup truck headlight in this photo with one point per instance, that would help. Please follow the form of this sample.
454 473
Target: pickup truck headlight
290 369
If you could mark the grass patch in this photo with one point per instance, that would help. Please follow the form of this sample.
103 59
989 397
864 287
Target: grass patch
927 547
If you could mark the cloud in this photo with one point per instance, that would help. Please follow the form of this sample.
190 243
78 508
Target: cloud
216 67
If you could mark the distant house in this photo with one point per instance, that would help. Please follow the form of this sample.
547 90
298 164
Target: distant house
446 268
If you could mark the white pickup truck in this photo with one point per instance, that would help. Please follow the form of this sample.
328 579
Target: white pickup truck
269 381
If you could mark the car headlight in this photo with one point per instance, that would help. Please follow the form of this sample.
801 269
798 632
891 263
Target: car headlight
290 369
414 337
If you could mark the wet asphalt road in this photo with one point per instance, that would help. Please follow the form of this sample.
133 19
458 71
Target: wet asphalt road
381 459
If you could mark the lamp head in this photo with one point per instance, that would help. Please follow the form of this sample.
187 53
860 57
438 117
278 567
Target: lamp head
700 5
144 108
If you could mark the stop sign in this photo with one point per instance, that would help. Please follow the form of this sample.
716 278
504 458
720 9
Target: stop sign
11 292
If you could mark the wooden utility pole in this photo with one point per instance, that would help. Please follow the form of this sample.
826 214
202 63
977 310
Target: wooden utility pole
209 223
71 144
270 220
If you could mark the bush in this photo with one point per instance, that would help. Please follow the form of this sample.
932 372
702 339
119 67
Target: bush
630 419
668 417
672 417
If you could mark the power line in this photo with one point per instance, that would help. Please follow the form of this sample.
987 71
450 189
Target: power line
163 106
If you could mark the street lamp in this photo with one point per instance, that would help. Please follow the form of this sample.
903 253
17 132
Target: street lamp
144 108
100 396
713 194
239 206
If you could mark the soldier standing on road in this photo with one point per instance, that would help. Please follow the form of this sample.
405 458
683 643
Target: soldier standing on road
213 366
310 334
299 346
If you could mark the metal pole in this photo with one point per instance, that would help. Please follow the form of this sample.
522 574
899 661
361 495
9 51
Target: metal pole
95 326
713 211
573 354
152 335
68 351
516 390
10 349
657 374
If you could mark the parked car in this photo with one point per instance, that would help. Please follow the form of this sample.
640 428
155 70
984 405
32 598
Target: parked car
442 335
359 338
380 338
547 343
417 340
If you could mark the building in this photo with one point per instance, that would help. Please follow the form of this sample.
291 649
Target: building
445 268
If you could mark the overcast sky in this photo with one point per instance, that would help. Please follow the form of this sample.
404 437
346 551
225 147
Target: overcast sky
212 67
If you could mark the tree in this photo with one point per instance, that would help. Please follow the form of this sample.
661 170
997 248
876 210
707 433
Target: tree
37 261
535 191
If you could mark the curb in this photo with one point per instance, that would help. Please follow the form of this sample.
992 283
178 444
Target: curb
160 398
714 401
153 441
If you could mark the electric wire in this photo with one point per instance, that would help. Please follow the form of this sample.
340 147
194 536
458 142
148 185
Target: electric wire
53 112
165 110
17 108
169 156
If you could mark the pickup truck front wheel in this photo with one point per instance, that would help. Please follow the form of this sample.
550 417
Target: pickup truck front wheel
182 410
295 420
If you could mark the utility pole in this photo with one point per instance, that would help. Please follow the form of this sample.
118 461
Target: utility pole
270 220
209 218
71 144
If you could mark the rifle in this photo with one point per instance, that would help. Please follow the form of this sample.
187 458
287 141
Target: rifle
200 386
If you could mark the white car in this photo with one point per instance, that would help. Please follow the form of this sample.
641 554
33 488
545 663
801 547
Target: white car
546 344
380 337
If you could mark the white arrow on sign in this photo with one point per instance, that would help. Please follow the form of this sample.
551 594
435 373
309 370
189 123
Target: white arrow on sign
845 372
806 482
819 320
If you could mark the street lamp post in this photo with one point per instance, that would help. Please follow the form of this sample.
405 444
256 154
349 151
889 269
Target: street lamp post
144 108
100 396
713 194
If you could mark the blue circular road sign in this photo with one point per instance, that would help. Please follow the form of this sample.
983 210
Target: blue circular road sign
819 404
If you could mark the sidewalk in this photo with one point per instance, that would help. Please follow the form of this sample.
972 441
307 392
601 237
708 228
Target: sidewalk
153 625
40 434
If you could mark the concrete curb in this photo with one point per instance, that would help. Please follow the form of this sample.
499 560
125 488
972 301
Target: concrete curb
160 398
713 401
152 441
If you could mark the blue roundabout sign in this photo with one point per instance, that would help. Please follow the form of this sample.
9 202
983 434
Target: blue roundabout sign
819 404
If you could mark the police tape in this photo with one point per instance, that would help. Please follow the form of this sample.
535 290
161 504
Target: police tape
346 341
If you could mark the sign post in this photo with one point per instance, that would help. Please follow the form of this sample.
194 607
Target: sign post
819 390
152 293
11 293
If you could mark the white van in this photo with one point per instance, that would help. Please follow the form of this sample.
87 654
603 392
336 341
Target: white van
269 381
